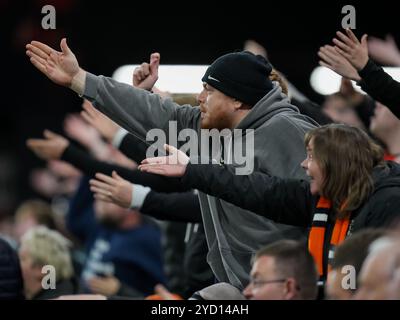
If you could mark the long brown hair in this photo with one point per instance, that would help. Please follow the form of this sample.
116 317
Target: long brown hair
346 156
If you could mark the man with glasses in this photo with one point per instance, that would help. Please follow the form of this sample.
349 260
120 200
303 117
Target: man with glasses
284 270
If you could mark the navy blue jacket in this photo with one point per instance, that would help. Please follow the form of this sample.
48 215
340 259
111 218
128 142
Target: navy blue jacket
134 256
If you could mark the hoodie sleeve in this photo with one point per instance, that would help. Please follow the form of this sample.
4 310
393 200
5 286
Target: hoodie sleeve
137 110
286 201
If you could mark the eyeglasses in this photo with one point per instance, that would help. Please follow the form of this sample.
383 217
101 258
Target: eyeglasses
259 283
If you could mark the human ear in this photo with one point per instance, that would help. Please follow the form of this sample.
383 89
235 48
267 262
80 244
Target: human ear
290 289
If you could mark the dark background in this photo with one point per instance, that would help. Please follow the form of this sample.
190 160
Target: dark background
105 35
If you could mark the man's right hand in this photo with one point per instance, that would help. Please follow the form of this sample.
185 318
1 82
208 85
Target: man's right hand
146 75
59 67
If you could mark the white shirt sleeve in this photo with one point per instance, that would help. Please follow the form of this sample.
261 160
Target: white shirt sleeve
139 194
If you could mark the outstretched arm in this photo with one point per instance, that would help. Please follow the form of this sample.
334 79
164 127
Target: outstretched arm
55 147
61 67
136 110
182 207
350 56
286 201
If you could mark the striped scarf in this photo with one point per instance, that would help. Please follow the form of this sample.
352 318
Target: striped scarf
316 238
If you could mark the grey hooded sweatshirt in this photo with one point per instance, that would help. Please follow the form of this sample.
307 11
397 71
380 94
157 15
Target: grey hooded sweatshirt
233 234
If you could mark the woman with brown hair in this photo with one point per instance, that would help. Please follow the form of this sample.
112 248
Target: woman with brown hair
350 187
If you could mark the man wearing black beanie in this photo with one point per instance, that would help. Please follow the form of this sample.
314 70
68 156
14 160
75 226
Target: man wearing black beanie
240 75
237 94
236 82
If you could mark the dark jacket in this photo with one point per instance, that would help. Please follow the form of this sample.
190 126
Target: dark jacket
133 256
381 86
289 201
11 283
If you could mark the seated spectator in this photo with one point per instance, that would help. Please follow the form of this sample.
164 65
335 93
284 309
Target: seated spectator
352 252
284 270
41 247
124 255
